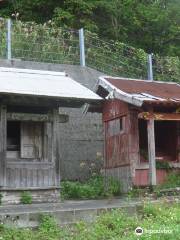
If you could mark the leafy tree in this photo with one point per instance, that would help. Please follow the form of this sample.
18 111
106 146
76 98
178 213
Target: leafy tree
76 13
36 10
153 25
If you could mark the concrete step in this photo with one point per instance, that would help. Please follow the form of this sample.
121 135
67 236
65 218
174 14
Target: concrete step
67 212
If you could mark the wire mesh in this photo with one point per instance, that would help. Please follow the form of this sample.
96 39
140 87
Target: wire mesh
166 68
48 43
42 43
3 29
114 58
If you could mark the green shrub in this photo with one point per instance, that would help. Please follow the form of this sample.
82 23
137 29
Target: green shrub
26 197
48 226
172 181
95 187
162 165
135 192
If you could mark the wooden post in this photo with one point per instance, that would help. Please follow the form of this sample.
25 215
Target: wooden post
2 146
55 151
151 152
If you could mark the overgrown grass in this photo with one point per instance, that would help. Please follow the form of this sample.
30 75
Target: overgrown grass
95 187
172 181
26 197
113 224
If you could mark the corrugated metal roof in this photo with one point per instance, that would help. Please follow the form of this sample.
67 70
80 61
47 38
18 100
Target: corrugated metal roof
137 92
42 83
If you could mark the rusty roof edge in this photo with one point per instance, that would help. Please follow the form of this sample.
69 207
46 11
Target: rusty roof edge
141 80
117 93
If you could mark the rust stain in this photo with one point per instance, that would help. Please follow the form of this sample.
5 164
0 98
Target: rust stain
164 90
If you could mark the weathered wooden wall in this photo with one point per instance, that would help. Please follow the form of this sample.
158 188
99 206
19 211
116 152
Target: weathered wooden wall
116 140
30 175
32 169
81 139
121 146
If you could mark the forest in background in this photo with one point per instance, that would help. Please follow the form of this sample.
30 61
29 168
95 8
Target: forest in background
152 25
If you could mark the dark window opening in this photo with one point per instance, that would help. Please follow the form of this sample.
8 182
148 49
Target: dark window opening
165 140
143 141
13 136
121 124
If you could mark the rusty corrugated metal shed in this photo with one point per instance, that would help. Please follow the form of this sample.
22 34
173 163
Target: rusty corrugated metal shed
137 92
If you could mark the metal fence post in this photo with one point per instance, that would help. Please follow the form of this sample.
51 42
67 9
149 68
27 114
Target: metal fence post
8 39
82 48
150 68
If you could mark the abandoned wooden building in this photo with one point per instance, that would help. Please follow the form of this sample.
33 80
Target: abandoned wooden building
30 107
142 129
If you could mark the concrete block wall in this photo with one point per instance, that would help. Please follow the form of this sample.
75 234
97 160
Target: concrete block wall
81 139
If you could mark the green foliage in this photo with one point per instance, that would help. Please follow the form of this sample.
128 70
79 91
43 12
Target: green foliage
172 181
48 227
43 43
26 197
76 14
114 224
135 192
49 43
95 187
162 165
150 25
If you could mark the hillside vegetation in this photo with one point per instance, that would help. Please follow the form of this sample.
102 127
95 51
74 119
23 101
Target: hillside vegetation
151 25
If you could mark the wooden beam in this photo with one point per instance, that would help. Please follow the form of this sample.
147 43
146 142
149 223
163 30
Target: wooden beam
151 152
159 116
28 117
13 116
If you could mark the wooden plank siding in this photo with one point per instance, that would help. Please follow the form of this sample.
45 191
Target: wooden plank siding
27 175
13 116
35 171
116 136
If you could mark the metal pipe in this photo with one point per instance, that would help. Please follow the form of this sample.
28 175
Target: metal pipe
8 39
150 67
82 47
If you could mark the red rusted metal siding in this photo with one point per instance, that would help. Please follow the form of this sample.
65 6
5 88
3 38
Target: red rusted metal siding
115 116
142 177
113 109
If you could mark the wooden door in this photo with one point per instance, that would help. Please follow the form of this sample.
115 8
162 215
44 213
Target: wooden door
31 140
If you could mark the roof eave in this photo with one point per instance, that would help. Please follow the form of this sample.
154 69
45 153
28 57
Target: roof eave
118 94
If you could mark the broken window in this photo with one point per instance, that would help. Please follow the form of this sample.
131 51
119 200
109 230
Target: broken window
24 139
13 136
